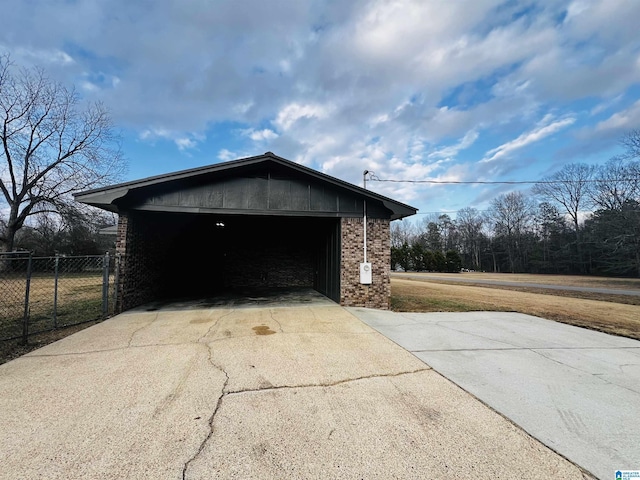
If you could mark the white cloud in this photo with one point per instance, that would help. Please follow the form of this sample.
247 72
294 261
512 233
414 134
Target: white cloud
89 87
527 138
154 133
225 155
39 56
624 120
403 87
453 150
185 143
291 113
260 135
607 104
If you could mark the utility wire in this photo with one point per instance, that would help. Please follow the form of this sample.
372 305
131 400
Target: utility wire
478 182
375 178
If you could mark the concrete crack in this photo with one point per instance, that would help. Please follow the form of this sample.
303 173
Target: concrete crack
141 328
215 324
475 335
274 319
212 418
330 384
599 377
502 349
104 350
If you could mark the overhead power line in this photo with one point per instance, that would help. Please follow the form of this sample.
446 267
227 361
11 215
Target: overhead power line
479 182
374 178
451 182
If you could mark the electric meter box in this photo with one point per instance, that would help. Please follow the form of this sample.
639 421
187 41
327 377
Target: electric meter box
365 273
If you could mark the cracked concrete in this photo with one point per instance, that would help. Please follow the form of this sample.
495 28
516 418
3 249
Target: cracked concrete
197 393
210 421
576 390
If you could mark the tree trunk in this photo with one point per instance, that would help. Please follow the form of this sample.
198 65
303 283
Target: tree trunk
581 266
10 231
9 239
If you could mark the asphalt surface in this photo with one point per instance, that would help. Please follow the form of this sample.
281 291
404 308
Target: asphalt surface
576 390
467 279
201 391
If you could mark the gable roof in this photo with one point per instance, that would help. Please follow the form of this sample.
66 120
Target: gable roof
112 197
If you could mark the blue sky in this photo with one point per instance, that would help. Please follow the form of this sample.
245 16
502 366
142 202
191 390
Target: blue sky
422 90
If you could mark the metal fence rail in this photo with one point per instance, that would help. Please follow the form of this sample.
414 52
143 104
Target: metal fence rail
39 294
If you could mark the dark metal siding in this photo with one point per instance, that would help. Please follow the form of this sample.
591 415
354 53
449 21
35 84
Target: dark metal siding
327 279
256 193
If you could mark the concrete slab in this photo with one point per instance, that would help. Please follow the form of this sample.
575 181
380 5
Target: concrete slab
106 414
576 390
405 426
230 392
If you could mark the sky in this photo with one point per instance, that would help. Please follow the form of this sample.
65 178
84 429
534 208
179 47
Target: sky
476 90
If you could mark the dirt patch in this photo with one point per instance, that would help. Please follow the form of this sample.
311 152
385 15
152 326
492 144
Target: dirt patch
603 314
11 349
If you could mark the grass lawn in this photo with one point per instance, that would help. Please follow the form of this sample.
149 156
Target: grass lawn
615 314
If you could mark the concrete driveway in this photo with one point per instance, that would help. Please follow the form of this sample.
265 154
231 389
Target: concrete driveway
576 390
244 392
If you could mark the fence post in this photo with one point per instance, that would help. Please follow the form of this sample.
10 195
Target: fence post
55 291
116 282
25 320
105 285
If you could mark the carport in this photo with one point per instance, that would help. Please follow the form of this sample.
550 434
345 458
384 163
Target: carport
261 222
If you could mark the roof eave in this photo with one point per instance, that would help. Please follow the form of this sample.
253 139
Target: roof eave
105 197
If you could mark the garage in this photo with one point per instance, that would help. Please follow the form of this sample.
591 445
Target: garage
261 222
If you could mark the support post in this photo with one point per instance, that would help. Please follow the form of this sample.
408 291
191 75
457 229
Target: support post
105 285
56 271
116 282
25 319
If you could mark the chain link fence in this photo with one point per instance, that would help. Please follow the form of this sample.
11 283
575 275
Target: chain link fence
39 294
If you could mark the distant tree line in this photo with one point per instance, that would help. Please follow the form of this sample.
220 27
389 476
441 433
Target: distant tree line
583 219
71 231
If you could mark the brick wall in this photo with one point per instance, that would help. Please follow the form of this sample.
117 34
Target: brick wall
143 245
270 266
121 251
139 279
156 262
352 292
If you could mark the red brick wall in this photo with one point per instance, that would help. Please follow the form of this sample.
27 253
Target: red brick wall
142 250
352 292
140 253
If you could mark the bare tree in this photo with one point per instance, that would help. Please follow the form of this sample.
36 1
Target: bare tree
631 141
402 232
568 188
618 181
511 216
448 232
469 222
52 144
